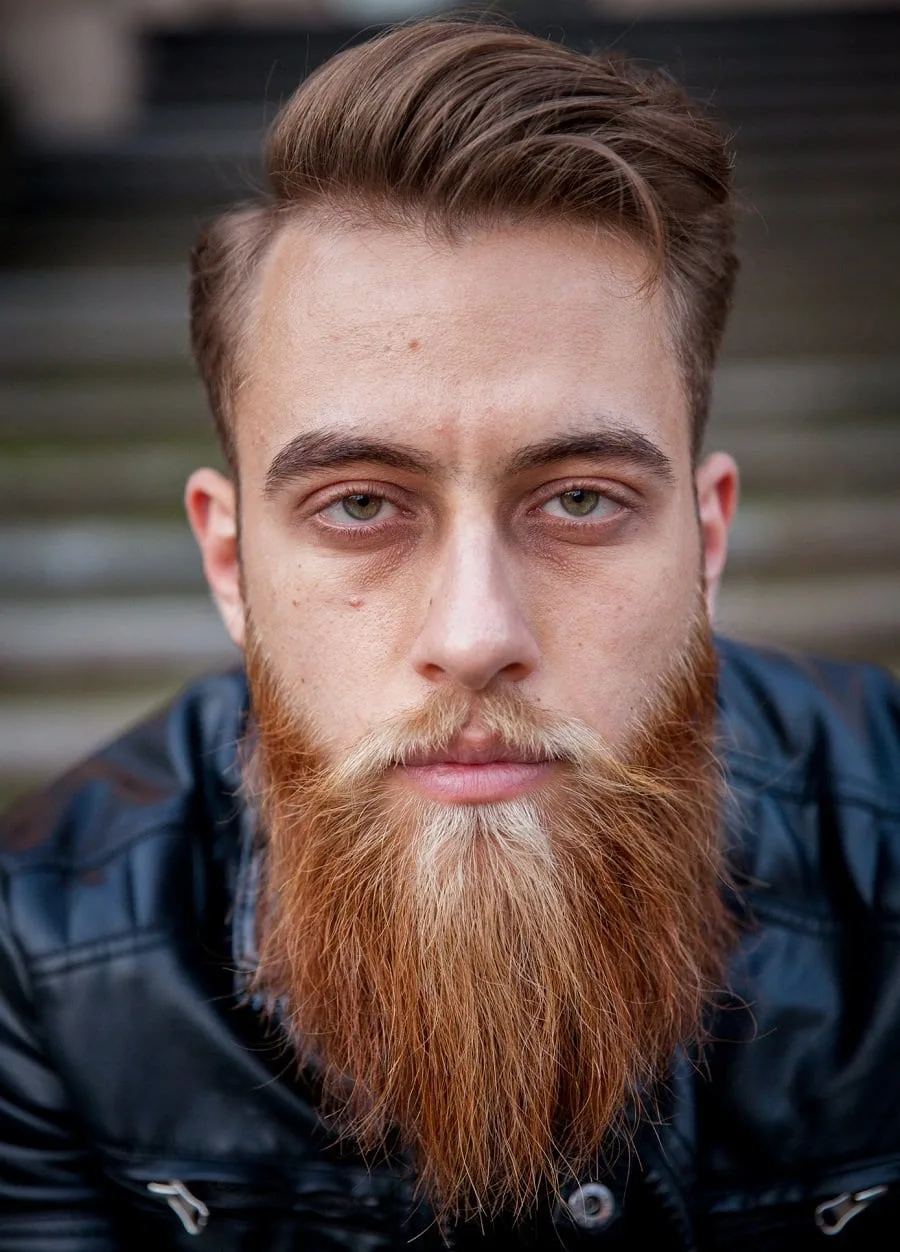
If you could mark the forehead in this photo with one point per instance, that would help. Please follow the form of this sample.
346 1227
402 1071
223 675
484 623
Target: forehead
467 348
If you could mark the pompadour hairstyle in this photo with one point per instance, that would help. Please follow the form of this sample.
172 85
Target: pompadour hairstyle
451 125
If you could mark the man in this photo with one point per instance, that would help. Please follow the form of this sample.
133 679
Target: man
516 912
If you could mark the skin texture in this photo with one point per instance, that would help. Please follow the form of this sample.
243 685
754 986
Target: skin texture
473 573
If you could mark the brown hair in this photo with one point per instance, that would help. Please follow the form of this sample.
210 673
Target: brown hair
450 124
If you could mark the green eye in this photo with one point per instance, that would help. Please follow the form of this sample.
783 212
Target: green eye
362 507
578 502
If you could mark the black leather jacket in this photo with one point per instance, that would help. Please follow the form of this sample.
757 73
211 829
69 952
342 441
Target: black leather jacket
143 1105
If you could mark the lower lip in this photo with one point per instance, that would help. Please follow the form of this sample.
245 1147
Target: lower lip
475 784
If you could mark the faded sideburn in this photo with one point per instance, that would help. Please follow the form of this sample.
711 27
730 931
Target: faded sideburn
498 986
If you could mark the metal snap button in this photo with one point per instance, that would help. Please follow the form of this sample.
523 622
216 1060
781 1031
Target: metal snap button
591 1206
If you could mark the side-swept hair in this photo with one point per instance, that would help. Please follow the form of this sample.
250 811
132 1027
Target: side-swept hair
450 125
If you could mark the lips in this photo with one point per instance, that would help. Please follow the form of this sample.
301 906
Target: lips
475 771
462 752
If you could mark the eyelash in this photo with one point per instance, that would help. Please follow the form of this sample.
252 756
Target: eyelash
618 496
362 531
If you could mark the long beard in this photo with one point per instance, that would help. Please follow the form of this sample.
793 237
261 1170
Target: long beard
497 985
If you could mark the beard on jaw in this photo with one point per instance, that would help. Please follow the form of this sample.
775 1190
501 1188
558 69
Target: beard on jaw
495 985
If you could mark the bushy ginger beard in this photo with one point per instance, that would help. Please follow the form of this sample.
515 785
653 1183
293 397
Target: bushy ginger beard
496 984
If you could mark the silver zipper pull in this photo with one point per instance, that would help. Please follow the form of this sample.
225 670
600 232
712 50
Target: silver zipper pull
833 1215
192 1212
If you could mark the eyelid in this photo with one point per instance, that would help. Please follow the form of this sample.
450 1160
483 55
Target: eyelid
604 511
618 493
316 506
323 497
359 523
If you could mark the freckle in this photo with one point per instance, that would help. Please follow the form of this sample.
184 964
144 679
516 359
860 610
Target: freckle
413 345
355 603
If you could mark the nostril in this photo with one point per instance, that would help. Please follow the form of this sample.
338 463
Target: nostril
433 673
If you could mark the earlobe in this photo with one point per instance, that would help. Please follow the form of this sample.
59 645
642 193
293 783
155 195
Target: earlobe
716 481
211 503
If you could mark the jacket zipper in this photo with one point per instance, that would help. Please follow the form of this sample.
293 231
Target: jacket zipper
192 1213
833 1215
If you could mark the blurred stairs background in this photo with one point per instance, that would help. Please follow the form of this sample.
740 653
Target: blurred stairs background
103 610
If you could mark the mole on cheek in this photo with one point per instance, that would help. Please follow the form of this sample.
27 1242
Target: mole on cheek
413 345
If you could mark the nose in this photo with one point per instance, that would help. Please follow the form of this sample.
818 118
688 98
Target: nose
475 630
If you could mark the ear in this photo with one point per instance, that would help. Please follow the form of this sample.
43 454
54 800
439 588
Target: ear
716 483
211 503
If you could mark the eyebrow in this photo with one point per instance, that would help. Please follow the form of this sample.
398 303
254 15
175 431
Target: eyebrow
618 443
318 450
328 449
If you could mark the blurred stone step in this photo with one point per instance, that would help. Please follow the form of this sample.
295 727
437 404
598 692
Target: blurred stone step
802 313
113 638
810 328
850 458
856 615
805 391
781 210
707 51
98 314
42 736
796 93
115 406
797 243
822 535
795 276
810 133
102 238
86 556
192 158
47 482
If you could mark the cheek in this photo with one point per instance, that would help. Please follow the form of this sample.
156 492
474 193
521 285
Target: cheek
610 628
331 630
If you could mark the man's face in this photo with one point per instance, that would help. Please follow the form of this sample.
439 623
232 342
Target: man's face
464 464
470 567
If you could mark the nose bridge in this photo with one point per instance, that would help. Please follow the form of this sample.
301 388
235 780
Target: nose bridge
476 627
